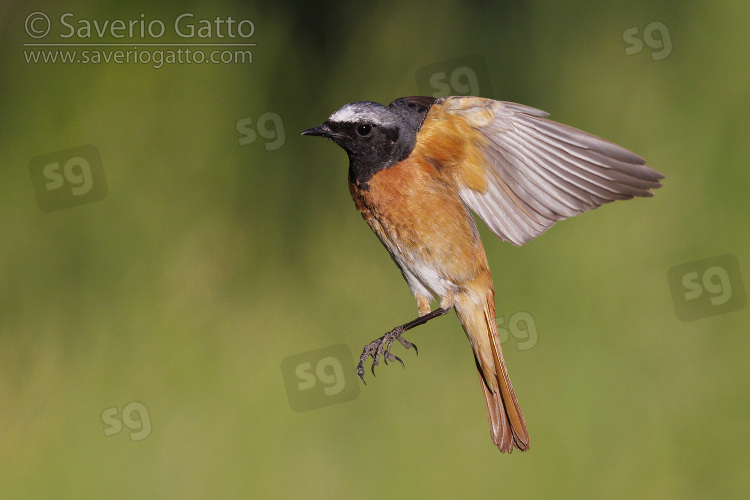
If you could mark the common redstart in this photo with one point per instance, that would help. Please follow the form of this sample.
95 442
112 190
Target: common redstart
415 168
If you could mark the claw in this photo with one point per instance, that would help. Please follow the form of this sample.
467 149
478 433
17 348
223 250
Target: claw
399 360
382 347
407 344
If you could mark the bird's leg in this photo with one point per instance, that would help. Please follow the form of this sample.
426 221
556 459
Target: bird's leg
382 346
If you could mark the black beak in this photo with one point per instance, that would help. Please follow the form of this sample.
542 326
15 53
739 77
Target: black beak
323 131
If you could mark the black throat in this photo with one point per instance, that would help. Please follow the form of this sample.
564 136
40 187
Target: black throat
393 144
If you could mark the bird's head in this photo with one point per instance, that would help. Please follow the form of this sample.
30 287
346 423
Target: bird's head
374 136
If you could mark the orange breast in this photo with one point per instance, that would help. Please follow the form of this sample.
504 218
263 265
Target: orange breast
417 214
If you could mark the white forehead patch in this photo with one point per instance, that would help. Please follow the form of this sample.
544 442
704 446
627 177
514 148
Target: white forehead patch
357 112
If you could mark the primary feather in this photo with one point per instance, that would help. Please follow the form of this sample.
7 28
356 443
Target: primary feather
534 171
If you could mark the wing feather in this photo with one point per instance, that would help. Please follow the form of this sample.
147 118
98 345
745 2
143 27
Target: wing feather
539 171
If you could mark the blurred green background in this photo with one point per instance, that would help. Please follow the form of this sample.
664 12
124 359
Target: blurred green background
210 261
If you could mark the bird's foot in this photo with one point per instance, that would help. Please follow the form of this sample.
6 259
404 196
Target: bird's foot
382 347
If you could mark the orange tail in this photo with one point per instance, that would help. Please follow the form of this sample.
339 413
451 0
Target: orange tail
506 420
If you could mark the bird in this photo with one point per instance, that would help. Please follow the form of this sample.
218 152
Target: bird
419 165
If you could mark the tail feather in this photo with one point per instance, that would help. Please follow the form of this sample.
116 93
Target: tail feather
506 409
507 425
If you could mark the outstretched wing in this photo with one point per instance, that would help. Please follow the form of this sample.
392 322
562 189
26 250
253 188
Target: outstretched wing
521 172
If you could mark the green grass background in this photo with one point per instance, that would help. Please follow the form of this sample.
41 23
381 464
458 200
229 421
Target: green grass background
209 262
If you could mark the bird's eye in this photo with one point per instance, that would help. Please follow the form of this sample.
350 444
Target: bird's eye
364 130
